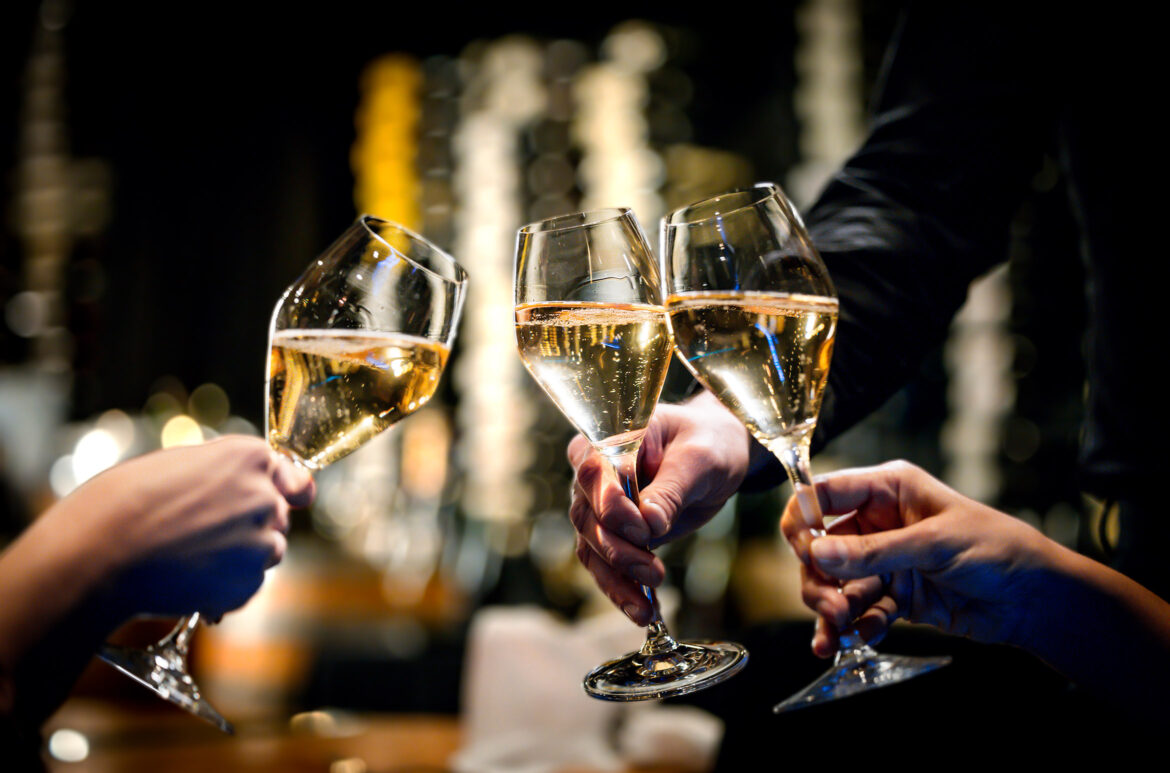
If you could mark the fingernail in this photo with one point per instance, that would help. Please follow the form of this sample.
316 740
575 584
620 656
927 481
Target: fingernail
636 533
631 611
655 517
827 552
642 574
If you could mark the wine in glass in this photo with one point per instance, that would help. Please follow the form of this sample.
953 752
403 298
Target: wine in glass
591 330
358 342
754 314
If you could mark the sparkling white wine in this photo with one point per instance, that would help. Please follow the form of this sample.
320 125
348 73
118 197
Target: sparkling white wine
764 355
329 391
602 364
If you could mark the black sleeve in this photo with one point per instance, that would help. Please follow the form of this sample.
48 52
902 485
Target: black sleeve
924 206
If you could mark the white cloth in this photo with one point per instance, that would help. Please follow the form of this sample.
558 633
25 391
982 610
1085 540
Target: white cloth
525 711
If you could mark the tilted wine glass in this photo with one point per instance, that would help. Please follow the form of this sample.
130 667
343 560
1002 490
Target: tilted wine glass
754 314
592 332
358 342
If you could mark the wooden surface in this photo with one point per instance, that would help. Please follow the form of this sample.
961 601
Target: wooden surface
159 738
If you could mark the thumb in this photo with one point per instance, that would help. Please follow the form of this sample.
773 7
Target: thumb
855 556
679 483
293 482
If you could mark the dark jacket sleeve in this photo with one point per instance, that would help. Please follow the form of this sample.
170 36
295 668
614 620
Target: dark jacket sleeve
925 205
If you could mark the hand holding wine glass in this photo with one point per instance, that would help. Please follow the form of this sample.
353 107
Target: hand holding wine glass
193 527
693 458
356 343
754 316
592 332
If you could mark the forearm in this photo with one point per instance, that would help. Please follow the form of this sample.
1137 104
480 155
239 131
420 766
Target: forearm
53 613
925 205
1102 630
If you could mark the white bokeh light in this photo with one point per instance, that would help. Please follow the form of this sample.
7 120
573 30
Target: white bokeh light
97 450
68 746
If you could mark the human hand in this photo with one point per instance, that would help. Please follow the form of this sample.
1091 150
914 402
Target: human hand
693 457
910 547
191 528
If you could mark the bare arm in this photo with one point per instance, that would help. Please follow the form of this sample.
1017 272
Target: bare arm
170 533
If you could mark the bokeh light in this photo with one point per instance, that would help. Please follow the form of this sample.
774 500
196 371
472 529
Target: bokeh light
97 450
181 431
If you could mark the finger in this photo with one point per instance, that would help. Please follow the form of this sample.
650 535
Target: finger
295 483
680 481
859 596
280 520
801 522
844 491
625 594
839 604
873 624
611 506
824 642
870 490
577 450
622 556
268 511
913 547
821 595
800 535
277 545
845 525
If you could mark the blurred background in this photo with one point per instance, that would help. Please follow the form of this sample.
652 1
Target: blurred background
167 173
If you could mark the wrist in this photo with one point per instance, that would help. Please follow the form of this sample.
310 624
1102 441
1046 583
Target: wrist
1059 578
85 547
1039 592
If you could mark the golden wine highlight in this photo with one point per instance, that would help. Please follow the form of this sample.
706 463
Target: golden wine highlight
329 391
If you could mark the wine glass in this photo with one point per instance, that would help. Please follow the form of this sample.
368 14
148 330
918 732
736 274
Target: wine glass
754 313
358 342
591 330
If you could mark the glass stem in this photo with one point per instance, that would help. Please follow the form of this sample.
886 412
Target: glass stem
658 639
795 460
179 639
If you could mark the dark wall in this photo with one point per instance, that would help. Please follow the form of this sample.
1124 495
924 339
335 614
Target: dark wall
228 129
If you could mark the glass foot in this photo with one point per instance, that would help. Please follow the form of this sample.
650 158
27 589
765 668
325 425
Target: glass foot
857 671
684 668
164 671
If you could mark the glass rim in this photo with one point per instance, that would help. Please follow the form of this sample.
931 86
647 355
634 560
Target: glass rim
461 275
770 190
582 219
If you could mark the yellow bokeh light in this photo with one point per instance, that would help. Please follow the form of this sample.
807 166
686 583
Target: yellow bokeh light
181 431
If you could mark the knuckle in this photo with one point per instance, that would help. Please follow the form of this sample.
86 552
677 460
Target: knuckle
254 456
900 465
608 552
789 522
703 456
579 513
865 555
669 493
577 447
589 473
904 469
